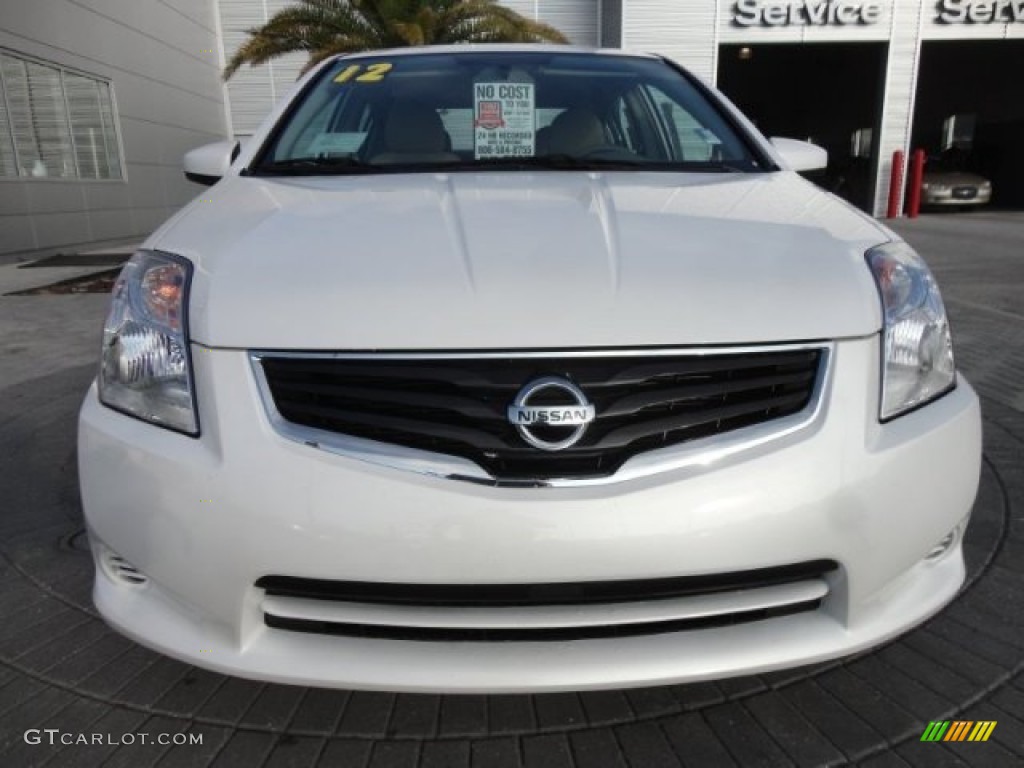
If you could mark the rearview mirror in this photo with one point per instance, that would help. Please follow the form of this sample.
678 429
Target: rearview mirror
207 165
800 155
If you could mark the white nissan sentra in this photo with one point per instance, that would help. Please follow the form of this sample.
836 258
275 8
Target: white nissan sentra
519 369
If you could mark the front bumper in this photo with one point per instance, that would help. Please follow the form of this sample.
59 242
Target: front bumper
204 519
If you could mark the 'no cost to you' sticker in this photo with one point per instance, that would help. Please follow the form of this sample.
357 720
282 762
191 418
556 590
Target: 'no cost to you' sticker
503 120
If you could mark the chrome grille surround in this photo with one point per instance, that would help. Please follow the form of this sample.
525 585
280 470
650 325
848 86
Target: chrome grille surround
693 456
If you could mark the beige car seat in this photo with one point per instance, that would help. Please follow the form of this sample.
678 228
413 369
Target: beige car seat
414 133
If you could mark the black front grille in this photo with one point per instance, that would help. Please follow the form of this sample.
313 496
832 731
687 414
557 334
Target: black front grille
532 595
458 406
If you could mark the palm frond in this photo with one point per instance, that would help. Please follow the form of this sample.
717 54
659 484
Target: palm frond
326 27
484 21
311 25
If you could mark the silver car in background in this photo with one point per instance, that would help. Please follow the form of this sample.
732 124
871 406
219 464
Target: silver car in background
946 184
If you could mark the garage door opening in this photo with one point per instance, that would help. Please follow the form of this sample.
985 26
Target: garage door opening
828 93
969 112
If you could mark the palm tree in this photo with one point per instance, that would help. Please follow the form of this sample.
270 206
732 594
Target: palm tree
326 27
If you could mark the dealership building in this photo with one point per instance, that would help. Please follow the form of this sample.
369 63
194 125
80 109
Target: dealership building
100 97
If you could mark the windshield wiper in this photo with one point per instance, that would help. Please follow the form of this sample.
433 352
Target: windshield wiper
312 166
347 164
712 166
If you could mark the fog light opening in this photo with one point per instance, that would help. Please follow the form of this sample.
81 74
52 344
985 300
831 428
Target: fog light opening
948 542
123 572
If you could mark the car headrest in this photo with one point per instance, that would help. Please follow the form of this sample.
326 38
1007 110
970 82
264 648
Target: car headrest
574 131
414 129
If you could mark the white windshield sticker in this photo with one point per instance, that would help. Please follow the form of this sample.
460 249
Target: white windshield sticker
503 120
328 144
707 136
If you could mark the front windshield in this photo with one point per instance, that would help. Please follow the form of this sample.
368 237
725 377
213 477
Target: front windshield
476 110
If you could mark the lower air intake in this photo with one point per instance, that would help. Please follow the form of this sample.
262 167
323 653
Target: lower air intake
541 612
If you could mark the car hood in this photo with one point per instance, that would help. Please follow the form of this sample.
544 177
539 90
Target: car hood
953 178
523 260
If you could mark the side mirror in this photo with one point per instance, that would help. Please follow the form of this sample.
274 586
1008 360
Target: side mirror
800 155
207 165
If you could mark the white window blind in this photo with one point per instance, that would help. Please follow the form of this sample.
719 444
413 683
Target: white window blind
92 127
8 165
55 123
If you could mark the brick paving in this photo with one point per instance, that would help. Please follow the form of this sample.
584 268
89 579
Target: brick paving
61 667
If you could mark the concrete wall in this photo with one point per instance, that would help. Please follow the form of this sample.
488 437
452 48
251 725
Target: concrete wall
162 60
687 32
576 19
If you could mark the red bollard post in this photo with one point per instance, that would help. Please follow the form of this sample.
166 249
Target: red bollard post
916 177
895 185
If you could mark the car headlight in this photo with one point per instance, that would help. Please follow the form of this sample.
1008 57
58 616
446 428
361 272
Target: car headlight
917 354
145 370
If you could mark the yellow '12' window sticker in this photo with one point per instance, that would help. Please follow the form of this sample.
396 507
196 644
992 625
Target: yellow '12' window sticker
373 73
